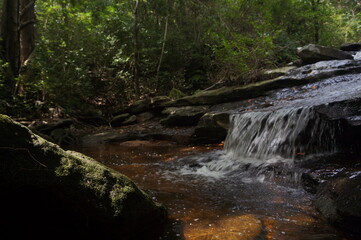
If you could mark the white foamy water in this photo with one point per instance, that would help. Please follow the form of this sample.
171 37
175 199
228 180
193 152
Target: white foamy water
264 144
279 134
357 56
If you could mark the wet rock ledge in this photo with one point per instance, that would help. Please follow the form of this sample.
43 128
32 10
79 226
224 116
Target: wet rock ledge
50 193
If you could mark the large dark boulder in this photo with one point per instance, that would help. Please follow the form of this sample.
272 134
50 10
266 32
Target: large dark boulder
212 128
47 192
313 53
339 201
351 47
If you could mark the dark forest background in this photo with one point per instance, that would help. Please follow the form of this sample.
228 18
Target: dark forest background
76 57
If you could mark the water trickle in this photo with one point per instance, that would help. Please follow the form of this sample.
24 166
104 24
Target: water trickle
284 133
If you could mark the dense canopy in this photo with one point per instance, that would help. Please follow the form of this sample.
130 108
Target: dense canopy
81 56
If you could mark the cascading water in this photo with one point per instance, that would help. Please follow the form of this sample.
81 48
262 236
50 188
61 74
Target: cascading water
357 56
279 134
264 143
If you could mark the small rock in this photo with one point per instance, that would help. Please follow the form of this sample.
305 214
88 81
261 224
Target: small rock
92 120
131 120
118 120
140 106
274 73
143 117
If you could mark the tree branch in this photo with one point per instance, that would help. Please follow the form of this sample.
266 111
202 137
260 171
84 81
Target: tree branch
24 24
23 11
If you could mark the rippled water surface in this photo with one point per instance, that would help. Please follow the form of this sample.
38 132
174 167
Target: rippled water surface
250 189
210 202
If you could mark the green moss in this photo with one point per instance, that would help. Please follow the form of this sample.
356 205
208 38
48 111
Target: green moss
230 94
176 93
112 201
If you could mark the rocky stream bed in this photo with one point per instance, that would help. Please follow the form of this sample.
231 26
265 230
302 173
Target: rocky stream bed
278 159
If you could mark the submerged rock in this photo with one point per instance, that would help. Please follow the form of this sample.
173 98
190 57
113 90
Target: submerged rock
244 227
313 53
111 136
339 201
48 192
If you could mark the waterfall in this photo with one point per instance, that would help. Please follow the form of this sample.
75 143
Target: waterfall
264 144
357 56
284 133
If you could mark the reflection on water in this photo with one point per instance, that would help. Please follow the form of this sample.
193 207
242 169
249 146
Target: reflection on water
235 206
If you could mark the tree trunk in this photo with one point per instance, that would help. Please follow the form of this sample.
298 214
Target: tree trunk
10 39
315 5
136 49
163 46
26 30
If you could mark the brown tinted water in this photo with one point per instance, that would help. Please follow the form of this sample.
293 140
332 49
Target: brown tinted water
211 207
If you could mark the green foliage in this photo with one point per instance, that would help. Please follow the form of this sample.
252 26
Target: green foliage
86 50
176 94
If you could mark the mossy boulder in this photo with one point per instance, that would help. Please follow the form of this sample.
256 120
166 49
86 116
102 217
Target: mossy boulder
159 101
119 119
144 117
51 193
236 93
131 120
140 106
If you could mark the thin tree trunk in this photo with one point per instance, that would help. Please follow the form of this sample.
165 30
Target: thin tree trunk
315 4
163 46
136 49
27 30
10 39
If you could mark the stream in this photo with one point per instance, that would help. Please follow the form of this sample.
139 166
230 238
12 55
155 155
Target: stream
250 186
208 198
